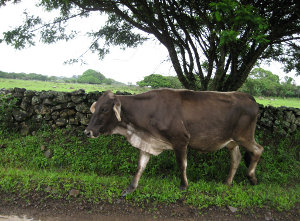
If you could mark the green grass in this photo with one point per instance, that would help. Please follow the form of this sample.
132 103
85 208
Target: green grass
201 194
278 102
66 87
101 168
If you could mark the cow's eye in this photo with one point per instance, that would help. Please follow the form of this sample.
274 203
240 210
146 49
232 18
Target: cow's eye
104 110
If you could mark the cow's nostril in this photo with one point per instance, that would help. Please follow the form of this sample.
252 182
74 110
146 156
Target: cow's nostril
87 133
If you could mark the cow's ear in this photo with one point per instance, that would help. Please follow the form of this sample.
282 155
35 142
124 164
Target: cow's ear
117 108
92 108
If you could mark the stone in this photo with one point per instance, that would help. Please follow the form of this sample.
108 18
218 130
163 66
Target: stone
35 100
232 209
42 109
74 192
82 108
26 102
19 115
297 121
37 118
48 101
59 107
62 98
71 105
48 153
78 98
268 216
71 112
48 189
73 121
43 148
79 92
85 120
29 93
24 130
61 122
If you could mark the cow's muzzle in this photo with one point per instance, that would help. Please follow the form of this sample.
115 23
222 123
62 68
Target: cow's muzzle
89 133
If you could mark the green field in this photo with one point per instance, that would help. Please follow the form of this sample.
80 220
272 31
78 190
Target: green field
68 87
278 102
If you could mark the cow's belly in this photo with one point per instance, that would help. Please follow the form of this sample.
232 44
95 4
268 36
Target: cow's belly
205 145
143 141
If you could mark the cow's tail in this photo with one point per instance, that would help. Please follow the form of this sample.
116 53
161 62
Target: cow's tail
247 158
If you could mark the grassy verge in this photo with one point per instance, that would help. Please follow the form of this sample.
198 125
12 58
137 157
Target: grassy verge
202 194
57 162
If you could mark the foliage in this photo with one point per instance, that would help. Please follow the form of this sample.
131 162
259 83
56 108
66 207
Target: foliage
100 168
212 45
91 77
264 83
159 81
23 76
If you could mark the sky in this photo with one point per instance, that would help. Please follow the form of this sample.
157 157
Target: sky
127 66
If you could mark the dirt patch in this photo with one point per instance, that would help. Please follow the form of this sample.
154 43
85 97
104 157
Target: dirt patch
38 206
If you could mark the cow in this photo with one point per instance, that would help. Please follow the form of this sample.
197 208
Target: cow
169 119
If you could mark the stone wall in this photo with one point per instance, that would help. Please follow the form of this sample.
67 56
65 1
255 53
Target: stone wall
71 109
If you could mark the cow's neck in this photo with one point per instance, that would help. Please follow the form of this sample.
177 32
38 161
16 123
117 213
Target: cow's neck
128 108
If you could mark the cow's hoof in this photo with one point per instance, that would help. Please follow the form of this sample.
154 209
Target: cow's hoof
128 190
253 180
227 183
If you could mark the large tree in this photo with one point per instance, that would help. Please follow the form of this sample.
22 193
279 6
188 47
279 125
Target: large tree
213 45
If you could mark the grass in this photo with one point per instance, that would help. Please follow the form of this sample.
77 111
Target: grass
101 168
278 102
69 87
66 87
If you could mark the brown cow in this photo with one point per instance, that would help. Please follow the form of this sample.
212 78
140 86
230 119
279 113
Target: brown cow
165 119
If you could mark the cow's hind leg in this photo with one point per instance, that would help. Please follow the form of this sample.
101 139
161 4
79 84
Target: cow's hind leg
182 164
235 156
143 161
254 150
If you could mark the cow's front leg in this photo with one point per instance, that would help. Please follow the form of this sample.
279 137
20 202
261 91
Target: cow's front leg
235 156
143 161
182 164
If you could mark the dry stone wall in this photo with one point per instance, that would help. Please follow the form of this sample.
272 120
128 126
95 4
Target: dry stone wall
71 109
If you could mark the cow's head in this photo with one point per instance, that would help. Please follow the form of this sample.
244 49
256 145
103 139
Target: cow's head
106 114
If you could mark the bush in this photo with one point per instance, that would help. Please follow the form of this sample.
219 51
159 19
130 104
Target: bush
159 81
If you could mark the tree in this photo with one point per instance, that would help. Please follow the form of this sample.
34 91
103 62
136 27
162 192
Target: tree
159 81
212 45
92 77
262 82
